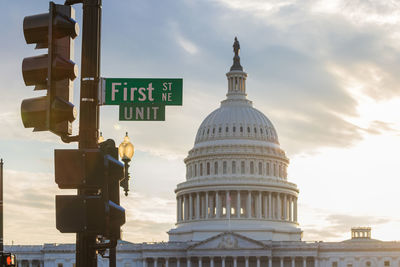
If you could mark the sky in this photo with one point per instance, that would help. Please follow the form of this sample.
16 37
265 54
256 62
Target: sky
325 72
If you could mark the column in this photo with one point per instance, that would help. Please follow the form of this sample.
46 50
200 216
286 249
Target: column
228 204
197 206
265 206
217 213
258 261
279 206
234 262
282 261
259 206
211 262
190 207
223 261
285 207
316 263
270 207
270 261
144 262
206 205
155 262
178 262
295 209
179 208
188 262
238 204
291 208
212 200
166 262
248 206
293 261
246 261
304 261
184 207
200 262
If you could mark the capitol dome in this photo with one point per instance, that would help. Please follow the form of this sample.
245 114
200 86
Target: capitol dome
236 174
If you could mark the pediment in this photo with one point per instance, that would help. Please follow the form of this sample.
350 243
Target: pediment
226 241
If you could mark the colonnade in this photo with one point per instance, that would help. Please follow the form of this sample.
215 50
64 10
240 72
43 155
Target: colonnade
231 204
231 261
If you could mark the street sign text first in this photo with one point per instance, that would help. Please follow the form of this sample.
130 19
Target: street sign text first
141 90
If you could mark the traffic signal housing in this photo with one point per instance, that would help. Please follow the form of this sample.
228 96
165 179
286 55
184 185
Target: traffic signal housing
8 260
53 71
96 171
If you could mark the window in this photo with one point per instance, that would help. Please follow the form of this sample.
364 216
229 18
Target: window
274 169
208 168
280 170
213 130
241 129
226 129
248 129
334 264
219 129
260 168
216 167
59 265
234 129
251 167
233 167
224 167
195 170
208 131
349 265
267 169
386 263
201 169
255 130
242 167
368 264
261 131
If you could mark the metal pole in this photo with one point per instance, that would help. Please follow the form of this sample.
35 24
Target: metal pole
1 207
113 257
89 111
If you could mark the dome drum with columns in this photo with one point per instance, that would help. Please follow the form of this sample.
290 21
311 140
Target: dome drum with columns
236 174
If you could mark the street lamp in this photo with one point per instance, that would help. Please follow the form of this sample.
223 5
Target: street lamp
101 138
126 151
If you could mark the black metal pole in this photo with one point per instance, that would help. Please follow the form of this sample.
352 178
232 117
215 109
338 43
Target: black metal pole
1 208
89 111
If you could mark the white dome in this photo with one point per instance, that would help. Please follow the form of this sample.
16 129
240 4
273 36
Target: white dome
236 119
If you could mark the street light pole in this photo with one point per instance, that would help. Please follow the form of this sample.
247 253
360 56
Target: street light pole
89 111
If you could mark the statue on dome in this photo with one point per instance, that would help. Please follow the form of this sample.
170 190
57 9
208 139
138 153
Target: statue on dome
236 47
236 59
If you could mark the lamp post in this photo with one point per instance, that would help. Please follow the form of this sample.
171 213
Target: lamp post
101 138
126 151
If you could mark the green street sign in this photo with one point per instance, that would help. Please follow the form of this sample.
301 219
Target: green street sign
117 91
141 112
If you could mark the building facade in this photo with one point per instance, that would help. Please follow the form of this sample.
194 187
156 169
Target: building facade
236 207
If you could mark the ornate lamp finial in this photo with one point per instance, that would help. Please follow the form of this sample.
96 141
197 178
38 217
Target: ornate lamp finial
236 59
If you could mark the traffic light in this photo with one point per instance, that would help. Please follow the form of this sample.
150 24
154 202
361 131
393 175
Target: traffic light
99 173
8 260
53 71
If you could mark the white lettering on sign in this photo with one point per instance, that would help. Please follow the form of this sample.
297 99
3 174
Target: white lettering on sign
140 113
114 90
166 97
142 94
165 87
